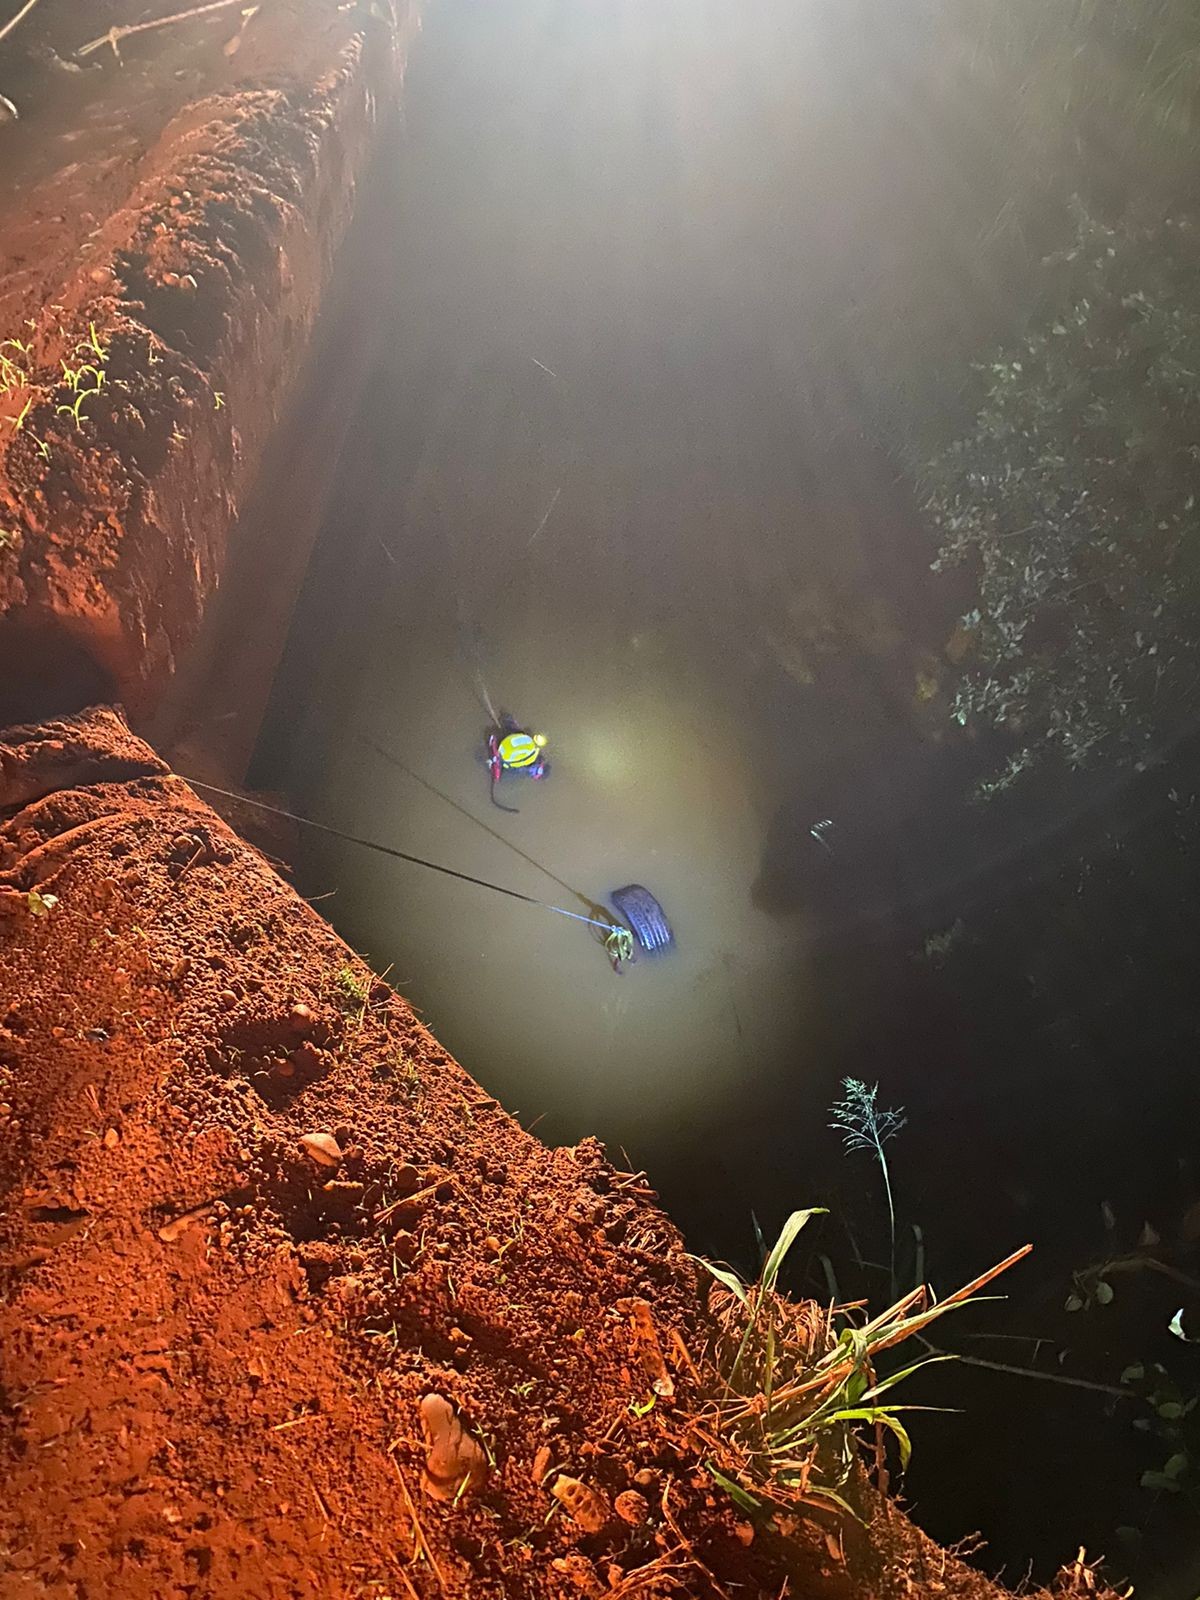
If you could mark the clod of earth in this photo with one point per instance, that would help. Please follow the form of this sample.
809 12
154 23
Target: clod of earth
579 1572
455 1463
631 1507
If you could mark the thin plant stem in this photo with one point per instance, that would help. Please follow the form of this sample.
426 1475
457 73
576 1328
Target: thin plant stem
1030 1372
887 1184
866 1126
13 21
114 35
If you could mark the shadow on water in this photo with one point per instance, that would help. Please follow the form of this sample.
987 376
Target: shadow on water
597 478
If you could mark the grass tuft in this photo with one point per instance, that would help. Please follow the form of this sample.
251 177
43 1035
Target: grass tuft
793 1393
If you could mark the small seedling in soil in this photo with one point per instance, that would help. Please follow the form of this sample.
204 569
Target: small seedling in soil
404 1068
18 422
352 990
75 409
40 905
86 380
14 372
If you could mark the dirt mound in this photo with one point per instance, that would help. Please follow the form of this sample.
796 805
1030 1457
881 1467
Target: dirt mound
292 1306
142 367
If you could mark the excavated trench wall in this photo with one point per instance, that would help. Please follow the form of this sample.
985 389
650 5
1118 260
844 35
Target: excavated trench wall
191 319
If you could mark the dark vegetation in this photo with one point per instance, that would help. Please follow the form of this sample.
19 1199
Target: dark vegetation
1014 316
1054 443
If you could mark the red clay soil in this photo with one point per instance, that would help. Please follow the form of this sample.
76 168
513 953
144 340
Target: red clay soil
170 270
292 1307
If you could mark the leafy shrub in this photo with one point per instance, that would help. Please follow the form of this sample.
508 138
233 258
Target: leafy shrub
1074 499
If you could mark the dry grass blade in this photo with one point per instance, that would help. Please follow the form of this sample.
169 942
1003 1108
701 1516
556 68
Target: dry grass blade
420 1542
14 21
114 35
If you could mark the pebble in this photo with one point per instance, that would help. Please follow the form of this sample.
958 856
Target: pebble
323 1148
405 1179
111 1139
301 1017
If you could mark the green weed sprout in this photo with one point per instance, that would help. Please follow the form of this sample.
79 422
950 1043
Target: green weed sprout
353 993
14 375
86 380
791 1395
865 1126
82 382
14 357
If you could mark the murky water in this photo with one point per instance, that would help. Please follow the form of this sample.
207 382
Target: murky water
653 780
581 485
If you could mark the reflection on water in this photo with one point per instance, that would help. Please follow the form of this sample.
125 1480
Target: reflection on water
654 779
594 467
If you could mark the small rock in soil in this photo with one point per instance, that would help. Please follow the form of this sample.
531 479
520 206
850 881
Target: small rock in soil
323 1148
587 1506
455 1463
